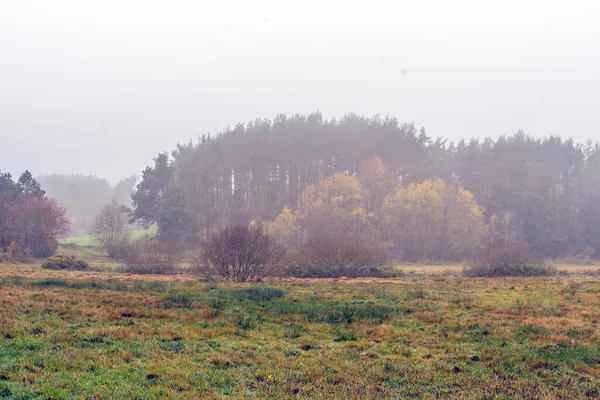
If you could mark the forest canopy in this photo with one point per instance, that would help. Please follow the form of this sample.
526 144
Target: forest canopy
358 174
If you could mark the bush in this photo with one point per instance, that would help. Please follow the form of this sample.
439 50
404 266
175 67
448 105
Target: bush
335 256
241 254
71 263
7 258
508 259
152 256
120 250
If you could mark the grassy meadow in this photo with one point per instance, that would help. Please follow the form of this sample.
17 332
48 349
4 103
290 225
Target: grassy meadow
431 333
91 240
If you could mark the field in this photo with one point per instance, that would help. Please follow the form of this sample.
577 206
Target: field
428 334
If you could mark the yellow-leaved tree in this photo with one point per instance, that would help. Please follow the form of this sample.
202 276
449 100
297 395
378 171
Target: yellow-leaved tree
285 229
433 220
376 183
336 205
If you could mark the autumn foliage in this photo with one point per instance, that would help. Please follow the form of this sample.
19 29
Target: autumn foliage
432 220
543 192
30 223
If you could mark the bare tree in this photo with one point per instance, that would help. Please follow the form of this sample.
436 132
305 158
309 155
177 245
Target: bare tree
240 254
109 225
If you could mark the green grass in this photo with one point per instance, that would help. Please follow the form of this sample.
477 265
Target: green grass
84 241
421 336
90 240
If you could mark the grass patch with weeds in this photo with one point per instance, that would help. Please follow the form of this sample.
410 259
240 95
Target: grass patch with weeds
256 293
418 336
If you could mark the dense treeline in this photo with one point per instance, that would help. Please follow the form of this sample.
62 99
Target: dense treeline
84 195
30 222
544 192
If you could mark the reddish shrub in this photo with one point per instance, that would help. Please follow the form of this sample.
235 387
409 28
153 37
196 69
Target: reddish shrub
508 259
151 256
335 256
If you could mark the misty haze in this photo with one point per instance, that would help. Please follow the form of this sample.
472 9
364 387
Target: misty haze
308 199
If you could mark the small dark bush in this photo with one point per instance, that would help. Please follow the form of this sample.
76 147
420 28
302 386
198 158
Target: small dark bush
508 259
71 263
351 256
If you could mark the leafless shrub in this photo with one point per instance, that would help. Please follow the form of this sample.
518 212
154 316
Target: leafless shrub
152 256
122 250
508 259
240 254
335 256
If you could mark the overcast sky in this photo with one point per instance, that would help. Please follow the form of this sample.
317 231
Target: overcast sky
101 87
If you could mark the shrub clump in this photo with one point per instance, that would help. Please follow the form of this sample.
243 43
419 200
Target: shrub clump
351 256
508 259
66 262
152 256
239 253
120 250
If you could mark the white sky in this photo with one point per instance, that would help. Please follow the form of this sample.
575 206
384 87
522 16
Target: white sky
100 87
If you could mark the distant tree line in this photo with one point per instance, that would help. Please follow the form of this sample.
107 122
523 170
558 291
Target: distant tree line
30 222
388 181
83 196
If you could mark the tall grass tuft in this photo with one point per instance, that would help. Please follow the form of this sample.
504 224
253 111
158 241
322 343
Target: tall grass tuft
256 293
216 308
178 300
293 331
346 313
244 321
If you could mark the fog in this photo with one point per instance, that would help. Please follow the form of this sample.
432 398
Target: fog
102 87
